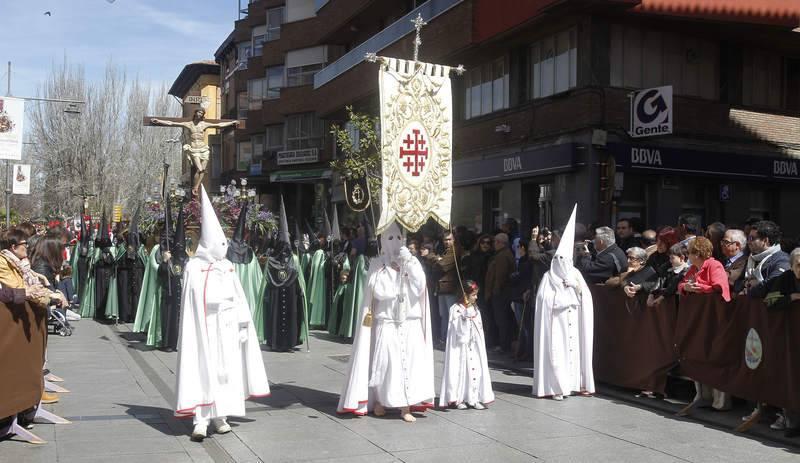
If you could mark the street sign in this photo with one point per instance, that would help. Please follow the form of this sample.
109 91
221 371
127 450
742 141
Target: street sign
651 112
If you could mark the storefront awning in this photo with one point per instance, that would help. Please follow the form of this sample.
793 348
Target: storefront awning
300 176
530 163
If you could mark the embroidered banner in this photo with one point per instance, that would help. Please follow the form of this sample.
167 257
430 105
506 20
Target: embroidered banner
416 143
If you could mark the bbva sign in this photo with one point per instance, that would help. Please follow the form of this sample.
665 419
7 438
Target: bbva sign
651 112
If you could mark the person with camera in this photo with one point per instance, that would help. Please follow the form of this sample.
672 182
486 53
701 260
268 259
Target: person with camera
605 261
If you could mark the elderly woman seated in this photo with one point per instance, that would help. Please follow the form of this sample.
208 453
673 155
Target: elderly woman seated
638 277
706 275
783 292
15 272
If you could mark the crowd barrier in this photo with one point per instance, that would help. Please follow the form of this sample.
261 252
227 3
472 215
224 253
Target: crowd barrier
23 337
740 347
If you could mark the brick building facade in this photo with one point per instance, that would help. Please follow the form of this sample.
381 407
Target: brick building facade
542 115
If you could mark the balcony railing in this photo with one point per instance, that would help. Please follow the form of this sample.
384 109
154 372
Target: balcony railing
391 34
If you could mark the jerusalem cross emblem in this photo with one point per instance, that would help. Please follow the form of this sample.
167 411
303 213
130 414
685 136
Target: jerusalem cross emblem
415 152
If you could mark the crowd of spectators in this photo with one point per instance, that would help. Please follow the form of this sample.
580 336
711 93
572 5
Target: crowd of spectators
653 264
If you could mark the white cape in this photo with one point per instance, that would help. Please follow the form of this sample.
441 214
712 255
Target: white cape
562 340
466 376
219 358
391 362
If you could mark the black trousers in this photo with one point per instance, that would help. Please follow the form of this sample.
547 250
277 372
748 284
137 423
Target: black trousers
503 319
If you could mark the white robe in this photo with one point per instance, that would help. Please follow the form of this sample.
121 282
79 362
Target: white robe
562 339
392 361
219 358
466 377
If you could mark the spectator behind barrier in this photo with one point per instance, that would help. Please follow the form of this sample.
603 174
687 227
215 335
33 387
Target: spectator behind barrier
626 235
668 283
707 275
609 260
766 261
734 251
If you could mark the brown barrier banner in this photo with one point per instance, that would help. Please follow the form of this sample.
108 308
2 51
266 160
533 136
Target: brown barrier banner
741 347
633 343
22 344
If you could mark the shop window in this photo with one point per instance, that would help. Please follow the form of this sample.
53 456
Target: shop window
241 105
554 66
546 206
274 82
486 89
304 131
255 92
244 155
273 140
643 58
275 17
259 36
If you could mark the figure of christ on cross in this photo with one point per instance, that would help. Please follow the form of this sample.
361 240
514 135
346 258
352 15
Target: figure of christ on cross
415 162
197 151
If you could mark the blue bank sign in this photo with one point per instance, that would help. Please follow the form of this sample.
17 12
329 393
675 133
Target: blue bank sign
633 158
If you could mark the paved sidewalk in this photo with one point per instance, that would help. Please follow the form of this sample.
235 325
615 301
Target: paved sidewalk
121 412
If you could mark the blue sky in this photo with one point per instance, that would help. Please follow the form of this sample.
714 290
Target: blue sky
151 39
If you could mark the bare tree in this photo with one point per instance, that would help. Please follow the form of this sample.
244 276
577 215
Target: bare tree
104 151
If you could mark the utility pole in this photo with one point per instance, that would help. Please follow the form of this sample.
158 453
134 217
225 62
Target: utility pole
8 186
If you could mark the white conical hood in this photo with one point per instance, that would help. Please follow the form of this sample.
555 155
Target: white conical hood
562 261
213 244
391 242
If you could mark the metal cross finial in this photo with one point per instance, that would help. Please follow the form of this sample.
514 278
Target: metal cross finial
418 23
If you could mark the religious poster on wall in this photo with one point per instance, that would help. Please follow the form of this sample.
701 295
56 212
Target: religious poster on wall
416 150
22 179
12 115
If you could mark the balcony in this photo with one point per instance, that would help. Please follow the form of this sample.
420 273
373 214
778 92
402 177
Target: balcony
393 33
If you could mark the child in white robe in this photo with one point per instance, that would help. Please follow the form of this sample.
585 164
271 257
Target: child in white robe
466 380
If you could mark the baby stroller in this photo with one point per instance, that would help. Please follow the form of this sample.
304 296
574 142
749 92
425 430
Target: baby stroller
58 318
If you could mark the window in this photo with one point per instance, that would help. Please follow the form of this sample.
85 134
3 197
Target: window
243 53
241 105
486 89
258 147
770 80
244 155
302 75
303 131
554 66
255 91
275 17
259 35
273 140
643 58
274 82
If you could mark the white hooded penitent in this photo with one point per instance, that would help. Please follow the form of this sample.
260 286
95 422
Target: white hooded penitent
563 324
219 358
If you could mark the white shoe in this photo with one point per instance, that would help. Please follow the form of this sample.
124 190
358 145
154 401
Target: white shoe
461 406
479 406
199 433
221 425
745 418
73 316
779 424
558 397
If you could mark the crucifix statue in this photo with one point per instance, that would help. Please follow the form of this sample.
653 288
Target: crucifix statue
197 151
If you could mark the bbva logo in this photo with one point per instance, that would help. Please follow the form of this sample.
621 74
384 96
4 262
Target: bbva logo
784 168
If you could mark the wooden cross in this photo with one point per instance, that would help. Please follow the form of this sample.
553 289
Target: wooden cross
148 121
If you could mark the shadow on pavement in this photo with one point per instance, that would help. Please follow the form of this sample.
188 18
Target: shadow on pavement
157 417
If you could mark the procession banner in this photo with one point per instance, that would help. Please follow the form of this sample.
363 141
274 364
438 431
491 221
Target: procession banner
22 179
416 143
12 116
